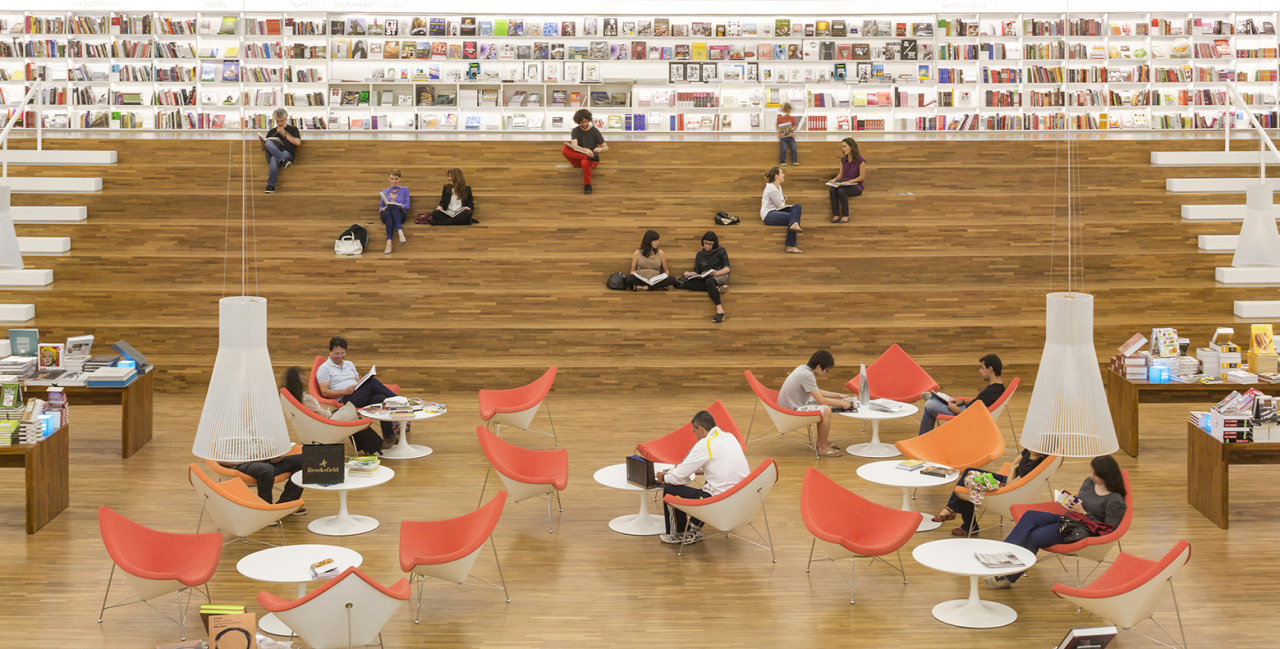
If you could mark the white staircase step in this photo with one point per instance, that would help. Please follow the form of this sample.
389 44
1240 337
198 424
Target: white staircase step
44 245
1214 213
44 214
48 157
26 277
57 185
1262 309
1211 185
1247 276
17 312
1209 158
1208 242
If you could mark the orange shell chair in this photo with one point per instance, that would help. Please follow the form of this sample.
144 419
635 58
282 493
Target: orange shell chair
313 386
525 472
447 549
246 478
516 407
851 526
346 611
736 507
997 408
674 446
895 376
972 439
784 420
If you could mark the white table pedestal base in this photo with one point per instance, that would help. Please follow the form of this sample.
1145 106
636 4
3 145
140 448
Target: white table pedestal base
974 613
641 524
344 524
926 522
403 450
874 448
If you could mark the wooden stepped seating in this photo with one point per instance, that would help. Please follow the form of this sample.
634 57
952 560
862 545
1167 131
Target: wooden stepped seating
955 271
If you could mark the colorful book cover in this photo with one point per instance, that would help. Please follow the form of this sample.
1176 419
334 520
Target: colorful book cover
782 28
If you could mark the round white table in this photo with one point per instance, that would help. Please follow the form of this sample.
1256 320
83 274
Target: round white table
887 473
874 448
403 450
643 523
955 556
290 564
344 523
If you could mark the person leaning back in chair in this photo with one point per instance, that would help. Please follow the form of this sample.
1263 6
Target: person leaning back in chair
338 377
719 457
989 368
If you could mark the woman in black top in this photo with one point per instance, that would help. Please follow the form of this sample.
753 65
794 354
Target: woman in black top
456 206
710 271
1027 462
1101 499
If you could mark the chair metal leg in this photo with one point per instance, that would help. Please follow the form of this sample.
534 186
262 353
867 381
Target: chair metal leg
106 592
747 439
417 613
550 530
1178 611
484 486
1013 429
767 530
900 568
550 421
494 547
853 582
813 443
812 545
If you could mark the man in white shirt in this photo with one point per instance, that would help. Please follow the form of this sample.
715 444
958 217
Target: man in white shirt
800 392
338 377
719 457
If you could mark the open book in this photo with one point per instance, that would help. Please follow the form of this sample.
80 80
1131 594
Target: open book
942 396
704 273
386 197
1065 498
650 280
832 183
273 138
372 371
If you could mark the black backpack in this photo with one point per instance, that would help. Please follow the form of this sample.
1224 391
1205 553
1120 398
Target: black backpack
359 232
616 282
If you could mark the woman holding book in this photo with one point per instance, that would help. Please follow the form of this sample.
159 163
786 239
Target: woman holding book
393 204
710 272
1027 462
774 209
456 206
853 170
647 264
1101 499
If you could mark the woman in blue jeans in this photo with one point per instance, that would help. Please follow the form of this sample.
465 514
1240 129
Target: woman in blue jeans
1101 498
775 211
393 205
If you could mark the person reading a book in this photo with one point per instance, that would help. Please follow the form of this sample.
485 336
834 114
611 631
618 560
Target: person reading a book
584 146
774 209
365 440
937 403
1101 500
786 136
719 457
1027 462
800 392
280 144
853 170
710 272
338 379
456 206
649 266
393 205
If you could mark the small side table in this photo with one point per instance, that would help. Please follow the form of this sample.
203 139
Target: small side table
290 564
955 557
403 450
643 523
345 523
875 448
887 473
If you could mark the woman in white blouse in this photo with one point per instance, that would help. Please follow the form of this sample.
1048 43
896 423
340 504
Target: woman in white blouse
774 209
456 206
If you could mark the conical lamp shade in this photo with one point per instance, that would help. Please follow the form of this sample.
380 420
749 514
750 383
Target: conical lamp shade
242 420
10 257
1259 243
1068 414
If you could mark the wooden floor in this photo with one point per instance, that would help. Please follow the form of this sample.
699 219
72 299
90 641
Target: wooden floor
956 269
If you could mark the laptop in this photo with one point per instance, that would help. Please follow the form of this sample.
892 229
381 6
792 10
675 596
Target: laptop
640 472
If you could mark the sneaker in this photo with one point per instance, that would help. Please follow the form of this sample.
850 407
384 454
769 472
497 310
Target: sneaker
996 583
795 164
782 164
271 189
671 538
288 163
692 536
586 189
301 511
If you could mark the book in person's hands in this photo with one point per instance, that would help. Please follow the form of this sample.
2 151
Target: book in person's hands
704 273
941 396
911 465
372 372
833 183
1065 498
386 198
650 280
999 559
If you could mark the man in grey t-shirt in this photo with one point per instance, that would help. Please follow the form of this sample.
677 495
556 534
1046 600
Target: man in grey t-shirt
800 392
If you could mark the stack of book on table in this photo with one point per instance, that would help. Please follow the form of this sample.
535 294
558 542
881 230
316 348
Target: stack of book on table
111 377
1262 352
362 465
911 465
99 361
19 367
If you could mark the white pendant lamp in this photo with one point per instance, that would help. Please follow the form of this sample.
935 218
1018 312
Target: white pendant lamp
242 420
1068 414
1259 243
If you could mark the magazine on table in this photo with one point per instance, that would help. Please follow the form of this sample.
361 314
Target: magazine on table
999 559
886 405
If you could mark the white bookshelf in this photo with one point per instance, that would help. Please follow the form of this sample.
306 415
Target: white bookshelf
971 71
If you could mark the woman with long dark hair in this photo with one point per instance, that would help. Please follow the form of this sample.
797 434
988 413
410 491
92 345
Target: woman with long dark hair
456 205
649 262
853 170
1101 499
365 440
710 272
774 209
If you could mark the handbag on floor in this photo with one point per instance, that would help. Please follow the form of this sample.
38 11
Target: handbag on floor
352 241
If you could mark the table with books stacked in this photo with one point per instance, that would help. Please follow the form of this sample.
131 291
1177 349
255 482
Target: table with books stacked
909 475
404 410
359 473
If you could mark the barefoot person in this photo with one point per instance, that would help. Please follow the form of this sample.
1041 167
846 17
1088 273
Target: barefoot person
800 392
